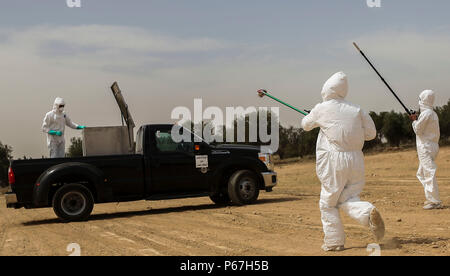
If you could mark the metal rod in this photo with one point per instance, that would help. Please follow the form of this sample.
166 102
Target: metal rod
263 92
388 86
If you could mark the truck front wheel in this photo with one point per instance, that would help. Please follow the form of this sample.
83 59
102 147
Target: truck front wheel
73 202
243 187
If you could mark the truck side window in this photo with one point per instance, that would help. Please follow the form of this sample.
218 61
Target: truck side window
164 143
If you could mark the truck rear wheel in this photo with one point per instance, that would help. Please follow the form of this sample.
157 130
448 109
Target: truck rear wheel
243 187
73 202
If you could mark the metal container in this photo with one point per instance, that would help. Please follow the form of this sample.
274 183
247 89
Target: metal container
111 140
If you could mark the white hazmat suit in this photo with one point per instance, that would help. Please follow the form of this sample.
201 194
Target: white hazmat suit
427 140
340 162
55 122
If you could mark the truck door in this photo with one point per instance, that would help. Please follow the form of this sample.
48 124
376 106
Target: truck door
172 165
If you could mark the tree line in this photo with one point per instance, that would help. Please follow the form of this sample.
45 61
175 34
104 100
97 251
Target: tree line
393 129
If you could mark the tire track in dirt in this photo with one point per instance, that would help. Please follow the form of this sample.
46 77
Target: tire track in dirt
222 234
166 238
189 240
149 240
53 236
19 238
161 230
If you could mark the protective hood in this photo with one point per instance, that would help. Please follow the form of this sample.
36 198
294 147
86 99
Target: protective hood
58 101
426 99
335 87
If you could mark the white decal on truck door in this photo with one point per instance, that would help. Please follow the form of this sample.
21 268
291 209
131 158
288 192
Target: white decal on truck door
201 161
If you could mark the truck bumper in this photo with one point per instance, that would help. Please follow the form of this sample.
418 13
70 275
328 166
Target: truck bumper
11 200
270 180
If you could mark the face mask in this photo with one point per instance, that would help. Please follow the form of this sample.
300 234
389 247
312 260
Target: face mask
61 108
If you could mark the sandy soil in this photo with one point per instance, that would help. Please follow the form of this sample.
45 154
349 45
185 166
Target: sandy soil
284 222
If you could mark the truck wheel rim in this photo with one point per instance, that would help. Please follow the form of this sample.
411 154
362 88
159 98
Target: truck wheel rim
73 203
247 188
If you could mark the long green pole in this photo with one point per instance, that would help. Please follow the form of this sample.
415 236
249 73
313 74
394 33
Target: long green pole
263 92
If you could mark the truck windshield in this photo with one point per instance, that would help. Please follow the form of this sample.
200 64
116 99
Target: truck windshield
195 135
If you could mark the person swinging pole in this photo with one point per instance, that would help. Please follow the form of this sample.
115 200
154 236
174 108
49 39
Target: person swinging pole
340 162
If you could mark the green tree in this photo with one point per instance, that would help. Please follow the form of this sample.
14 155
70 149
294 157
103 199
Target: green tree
76 147
394 128
296 142
308 141
290 142
408 132
378 120
284 142
444 120
245 121
5 157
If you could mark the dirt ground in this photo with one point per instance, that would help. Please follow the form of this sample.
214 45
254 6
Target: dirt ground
284 222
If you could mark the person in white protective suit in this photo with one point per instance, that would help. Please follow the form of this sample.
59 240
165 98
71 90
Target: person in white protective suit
340 162
54 125
427 132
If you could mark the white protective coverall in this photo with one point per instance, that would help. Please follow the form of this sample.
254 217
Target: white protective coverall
56 120
427 140
340 162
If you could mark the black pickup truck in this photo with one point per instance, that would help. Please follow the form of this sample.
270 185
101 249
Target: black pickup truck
159 169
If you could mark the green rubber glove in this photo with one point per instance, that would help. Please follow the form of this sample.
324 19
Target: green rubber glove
55 132
81 127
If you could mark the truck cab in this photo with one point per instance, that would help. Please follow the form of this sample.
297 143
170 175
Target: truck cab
189 167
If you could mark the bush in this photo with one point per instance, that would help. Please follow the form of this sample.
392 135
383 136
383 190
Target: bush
76 147
444 120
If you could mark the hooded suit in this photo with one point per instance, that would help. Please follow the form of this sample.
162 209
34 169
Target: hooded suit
427 139
339 159
56 120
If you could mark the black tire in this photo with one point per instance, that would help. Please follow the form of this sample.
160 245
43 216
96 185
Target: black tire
73 202
220 199
243 187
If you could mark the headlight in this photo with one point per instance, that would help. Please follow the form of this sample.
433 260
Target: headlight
266 158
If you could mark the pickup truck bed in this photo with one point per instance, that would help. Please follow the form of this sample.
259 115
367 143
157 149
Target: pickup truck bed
116 170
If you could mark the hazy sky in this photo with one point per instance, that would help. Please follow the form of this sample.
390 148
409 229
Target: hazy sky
166 53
